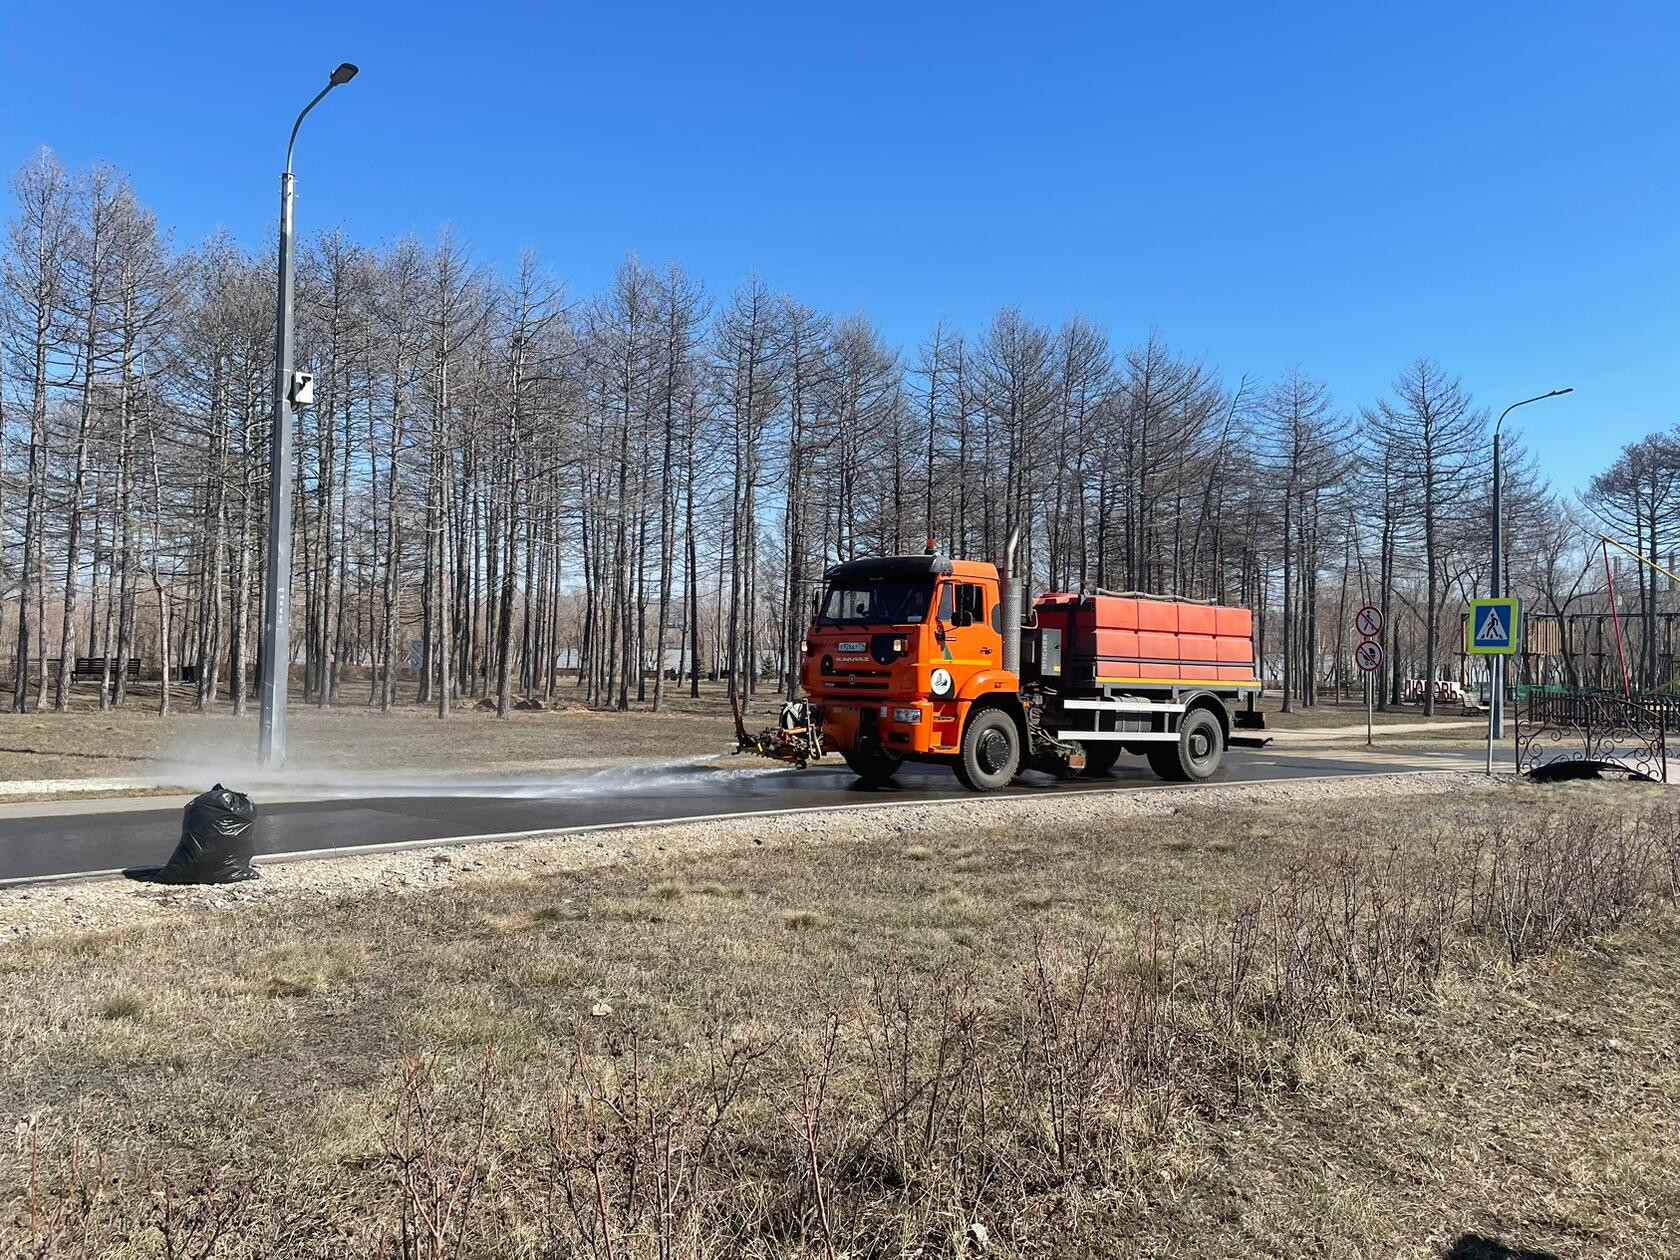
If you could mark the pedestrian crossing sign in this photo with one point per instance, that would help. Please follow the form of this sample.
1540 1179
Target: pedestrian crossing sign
1494 624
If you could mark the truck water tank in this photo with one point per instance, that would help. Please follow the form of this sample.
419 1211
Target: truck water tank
1142 638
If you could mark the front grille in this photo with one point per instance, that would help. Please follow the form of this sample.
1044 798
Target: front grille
857 680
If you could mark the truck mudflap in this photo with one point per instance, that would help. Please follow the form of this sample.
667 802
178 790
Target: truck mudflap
796 738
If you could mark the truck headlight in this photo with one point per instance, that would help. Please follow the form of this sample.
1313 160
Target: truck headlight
912 716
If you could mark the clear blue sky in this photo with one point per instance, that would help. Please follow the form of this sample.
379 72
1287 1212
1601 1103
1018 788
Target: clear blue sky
1336 186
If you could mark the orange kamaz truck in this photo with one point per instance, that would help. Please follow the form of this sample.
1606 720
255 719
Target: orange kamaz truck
926 658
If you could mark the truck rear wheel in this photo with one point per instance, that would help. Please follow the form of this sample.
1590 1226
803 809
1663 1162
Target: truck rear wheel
874 766
991 752
1196 754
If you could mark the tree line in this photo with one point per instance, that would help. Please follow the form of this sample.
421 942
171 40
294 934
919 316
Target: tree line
507 493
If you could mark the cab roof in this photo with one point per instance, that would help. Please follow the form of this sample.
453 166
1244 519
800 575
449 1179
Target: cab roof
878 568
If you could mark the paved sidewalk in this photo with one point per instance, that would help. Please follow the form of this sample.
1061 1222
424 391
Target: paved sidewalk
1315 734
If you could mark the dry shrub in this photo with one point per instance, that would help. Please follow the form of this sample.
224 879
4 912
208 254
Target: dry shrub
919 1043
1554 881
68 1207
438 1159
1098 1052
1668 840
1356 938
631 1164
1360 938
81 1207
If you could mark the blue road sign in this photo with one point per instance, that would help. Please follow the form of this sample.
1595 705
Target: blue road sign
1493 626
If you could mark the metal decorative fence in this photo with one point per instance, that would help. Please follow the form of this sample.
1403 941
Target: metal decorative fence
1558 730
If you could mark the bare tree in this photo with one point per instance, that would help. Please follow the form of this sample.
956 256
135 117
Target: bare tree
494 486
1436 428
39 245
1304 444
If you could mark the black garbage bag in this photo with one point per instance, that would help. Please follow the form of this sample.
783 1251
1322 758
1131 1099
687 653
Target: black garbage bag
217 841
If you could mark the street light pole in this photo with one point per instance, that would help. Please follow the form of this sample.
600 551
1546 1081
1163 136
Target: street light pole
277 613
1496 585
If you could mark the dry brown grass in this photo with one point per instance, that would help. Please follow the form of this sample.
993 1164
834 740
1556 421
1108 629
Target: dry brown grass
1340 1030
135 741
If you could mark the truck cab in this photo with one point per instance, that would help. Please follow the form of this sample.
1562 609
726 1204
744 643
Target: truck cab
901 650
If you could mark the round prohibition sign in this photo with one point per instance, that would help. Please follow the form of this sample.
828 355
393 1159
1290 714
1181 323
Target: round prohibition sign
1368 656
1369 622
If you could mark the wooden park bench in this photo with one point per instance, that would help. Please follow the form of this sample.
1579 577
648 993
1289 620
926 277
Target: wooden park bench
94 667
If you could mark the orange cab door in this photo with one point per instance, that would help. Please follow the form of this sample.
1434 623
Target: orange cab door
970 644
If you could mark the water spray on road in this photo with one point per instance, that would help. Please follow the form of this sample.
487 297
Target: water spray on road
304 783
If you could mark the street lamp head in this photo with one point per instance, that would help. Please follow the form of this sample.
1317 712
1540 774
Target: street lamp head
1567 389
343 74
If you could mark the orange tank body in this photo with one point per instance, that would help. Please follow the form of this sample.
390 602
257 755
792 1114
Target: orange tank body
1110 640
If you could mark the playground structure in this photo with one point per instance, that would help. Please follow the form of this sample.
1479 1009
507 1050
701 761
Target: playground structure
1599 647
1578 709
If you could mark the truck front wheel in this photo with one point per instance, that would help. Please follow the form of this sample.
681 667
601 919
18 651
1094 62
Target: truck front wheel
1196 754
874 766
991 752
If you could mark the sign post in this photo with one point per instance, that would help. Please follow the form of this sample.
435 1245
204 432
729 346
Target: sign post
1494 627
1369 657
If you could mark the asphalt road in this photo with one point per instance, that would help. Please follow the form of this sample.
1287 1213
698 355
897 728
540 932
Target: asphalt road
61 839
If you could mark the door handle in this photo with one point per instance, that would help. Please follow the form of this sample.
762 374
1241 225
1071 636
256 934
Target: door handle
985 651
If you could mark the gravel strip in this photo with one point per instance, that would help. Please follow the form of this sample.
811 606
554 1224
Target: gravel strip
108 904
52 789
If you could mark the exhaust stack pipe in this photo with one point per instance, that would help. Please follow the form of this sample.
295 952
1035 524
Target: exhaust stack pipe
1011 605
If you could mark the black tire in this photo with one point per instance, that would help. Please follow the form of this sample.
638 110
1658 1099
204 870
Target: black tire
1197 753
875 767
991 752
1100 757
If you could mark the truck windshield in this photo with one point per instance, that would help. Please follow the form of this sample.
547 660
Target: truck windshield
887 602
